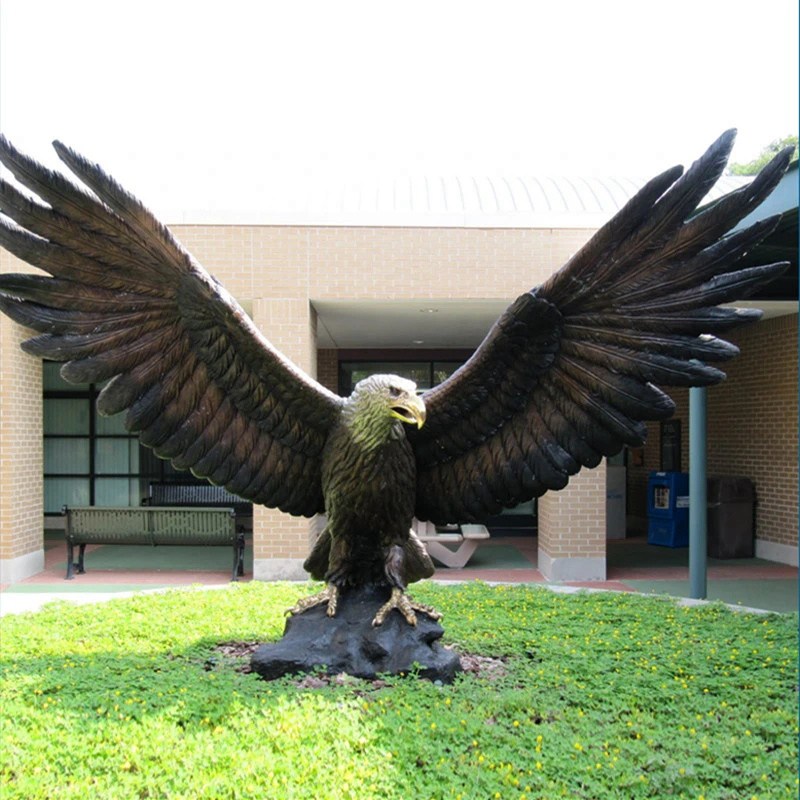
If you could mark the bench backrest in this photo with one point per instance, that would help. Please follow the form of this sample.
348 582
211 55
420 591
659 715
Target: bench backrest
186 525
194 494
150 525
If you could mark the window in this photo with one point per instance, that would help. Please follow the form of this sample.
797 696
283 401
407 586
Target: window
426 374
90 460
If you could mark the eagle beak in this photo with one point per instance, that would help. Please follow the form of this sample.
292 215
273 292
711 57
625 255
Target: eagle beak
411 410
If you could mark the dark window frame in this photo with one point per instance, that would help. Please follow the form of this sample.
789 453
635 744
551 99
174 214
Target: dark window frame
344 379
89 393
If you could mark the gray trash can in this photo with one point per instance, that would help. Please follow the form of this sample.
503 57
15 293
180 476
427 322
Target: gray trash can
730 517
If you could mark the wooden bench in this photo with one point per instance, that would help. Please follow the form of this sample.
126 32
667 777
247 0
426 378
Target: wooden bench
153 525
466 537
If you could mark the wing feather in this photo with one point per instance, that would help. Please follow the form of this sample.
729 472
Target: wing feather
568 374
124 302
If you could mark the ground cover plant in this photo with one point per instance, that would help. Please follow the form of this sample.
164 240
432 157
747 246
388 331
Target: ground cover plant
584 696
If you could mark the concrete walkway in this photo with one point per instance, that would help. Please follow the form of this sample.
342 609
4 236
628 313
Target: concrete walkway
12 602
633 566
18 602
15 602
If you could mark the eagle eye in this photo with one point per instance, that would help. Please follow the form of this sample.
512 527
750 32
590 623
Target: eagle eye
394 391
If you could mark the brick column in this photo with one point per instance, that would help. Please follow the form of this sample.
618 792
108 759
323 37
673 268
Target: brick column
572 529
21 467
328 369
280 541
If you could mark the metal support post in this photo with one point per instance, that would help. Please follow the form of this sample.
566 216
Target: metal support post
698 561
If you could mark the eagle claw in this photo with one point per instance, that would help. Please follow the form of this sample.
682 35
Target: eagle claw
329 595
406 606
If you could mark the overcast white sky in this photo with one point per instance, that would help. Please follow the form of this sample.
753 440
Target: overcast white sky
207 104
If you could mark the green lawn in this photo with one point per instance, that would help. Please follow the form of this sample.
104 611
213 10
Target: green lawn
584 696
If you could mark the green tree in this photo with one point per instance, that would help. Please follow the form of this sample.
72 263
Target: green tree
754 166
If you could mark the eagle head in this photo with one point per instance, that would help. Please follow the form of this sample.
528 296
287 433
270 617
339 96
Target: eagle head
382 399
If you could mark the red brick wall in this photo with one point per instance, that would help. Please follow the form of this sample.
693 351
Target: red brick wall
328 369
752 428
752 424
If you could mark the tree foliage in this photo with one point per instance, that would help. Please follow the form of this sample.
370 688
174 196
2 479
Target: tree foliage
754 167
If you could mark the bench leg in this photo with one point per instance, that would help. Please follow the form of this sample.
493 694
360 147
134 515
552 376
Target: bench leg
72 565
81 551
238 557
70 556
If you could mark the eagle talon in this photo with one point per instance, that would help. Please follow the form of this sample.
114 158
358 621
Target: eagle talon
406 606
329 595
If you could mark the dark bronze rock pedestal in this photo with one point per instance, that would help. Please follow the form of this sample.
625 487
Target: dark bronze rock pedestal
349 643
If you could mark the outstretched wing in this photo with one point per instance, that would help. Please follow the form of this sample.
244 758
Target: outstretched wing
566 375
127 304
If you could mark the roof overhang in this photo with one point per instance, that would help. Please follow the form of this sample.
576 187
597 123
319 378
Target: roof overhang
428 324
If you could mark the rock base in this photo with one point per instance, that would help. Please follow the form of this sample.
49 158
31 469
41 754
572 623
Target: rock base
349 643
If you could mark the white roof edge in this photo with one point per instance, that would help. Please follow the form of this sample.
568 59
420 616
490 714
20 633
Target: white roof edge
384 220
453 202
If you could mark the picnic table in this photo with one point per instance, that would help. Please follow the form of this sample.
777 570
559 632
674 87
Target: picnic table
439 542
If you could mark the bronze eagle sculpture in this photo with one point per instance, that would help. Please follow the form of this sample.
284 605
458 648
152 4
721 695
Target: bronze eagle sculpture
565 376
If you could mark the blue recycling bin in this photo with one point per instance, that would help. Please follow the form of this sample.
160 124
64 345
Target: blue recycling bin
668 509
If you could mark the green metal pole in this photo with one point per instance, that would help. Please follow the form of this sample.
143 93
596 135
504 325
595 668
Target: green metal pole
698 561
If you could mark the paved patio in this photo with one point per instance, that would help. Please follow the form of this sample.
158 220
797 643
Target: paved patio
633 566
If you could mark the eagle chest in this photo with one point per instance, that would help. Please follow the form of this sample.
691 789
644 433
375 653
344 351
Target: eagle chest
368 484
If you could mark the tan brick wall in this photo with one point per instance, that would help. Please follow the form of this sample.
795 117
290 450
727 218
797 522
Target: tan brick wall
291 324
572 522
21 467
21 456
378 263
752 427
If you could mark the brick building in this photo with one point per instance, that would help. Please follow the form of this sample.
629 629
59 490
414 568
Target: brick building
408 280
